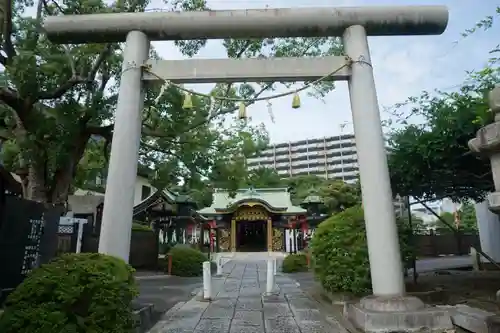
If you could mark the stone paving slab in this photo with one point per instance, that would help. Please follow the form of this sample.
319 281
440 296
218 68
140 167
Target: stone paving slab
240 307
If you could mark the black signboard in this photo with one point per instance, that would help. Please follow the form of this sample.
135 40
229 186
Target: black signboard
28 237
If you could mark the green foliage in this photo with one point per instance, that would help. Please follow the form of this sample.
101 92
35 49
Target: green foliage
433 160
74 293
430 159
262 178
484 24
467 218
186 261
140 227
340 253
334 194
165 248
294 263
417 225
58 103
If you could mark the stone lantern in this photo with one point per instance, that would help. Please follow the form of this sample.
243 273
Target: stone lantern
487 145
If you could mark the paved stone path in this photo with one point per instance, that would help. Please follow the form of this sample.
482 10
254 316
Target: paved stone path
239 306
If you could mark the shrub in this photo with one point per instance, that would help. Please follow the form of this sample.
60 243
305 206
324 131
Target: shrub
140 227
87 292
295 263
186 261
165 248
340 252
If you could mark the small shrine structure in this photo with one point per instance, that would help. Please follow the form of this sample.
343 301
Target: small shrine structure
253 219
174 214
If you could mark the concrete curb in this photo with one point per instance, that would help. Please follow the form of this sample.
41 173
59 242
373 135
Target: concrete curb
143 318
153 277
157 328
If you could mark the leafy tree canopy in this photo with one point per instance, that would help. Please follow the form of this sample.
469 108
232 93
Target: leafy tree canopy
58 103
431 160
335 194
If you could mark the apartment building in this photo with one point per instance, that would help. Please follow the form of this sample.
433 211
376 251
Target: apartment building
332 157
439 207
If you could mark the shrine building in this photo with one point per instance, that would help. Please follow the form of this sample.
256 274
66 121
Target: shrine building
254 220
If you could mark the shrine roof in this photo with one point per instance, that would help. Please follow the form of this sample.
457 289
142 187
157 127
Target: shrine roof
153 199
276 200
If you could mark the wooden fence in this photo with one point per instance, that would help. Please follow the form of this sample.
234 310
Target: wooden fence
434 245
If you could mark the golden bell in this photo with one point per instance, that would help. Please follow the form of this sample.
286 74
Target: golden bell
188 103
242 112
296 101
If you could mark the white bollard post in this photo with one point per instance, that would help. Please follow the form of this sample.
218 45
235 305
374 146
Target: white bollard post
475 259
79 237
275 264
207 281
270 277
219 266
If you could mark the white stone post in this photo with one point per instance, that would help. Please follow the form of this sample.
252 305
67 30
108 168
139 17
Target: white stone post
381 231
476 261
122 172
79 237
275 264
219 266
270 276
207 281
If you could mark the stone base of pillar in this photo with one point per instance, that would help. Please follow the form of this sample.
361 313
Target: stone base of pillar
494 202
397 314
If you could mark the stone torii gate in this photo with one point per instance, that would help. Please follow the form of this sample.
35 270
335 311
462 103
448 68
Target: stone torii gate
354 24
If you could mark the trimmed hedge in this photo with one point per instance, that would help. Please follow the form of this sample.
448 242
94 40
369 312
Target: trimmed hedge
295 263
87 292
164 248
340 253
186 261
140 227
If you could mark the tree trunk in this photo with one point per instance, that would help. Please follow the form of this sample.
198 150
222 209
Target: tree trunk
54 190
63 177
34 183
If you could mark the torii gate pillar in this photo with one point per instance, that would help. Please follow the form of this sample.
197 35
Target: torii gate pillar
387 279
389 309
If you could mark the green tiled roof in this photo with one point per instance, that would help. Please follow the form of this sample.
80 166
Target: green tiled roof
275 198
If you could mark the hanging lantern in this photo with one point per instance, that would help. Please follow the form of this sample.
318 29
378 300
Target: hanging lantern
188 103
296 101
242 112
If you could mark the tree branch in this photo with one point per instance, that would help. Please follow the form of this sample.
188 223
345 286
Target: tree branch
10 98
100 59
150 132
106 131
62 89
160 150
76 79
8 46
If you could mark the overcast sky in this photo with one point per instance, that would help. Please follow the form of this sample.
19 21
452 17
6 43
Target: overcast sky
404 66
